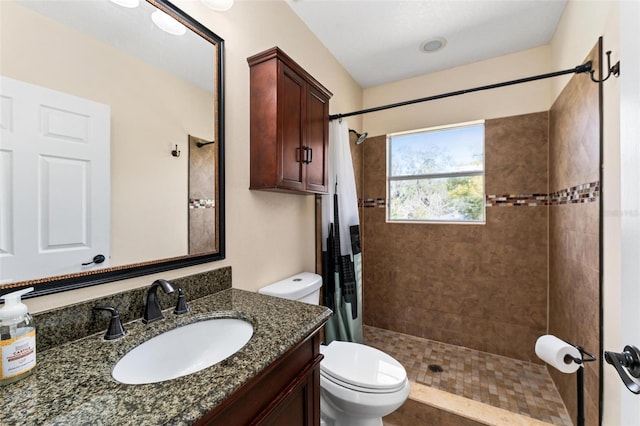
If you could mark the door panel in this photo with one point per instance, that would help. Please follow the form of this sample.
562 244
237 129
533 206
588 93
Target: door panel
64 199
6 203
630 193
55 188
318 110
64 125
292 95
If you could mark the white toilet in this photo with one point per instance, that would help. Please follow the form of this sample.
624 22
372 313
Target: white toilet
358 384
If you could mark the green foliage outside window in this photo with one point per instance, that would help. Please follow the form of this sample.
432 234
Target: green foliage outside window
437 175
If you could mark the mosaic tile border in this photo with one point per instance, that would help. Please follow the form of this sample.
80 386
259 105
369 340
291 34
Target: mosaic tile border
585 193
517 200
372 202
201 203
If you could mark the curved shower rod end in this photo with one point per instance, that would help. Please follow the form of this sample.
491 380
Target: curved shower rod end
612 70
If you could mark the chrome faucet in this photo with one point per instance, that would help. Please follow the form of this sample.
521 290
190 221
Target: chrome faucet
152 311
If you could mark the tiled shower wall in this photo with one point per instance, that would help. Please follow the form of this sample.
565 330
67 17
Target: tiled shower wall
479 286
574 264
532 268
202 195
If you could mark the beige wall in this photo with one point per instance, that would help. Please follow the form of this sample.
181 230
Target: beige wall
269 235
503 102
582 22
580 26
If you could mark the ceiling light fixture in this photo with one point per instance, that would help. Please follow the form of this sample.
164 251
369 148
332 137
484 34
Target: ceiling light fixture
127 3
218 5
167 23
433 44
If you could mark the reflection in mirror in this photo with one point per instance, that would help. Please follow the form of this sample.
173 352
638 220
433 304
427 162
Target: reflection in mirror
95 97
202 203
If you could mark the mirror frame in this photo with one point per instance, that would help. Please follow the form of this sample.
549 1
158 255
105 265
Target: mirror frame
50 285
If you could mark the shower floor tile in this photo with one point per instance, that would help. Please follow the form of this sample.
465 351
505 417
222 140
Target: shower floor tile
518 386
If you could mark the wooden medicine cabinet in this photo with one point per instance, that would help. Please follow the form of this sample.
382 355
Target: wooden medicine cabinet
289 126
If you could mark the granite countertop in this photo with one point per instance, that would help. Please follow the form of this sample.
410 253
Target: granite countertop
72 384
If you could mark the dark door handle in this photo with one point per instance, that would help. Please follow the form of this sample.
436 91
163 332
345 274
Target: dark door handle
627 364
96 259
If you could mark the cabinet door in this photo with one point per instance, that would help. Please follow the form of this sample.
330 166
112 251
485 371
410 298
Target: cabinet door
286 393
296 409
291 104
317 141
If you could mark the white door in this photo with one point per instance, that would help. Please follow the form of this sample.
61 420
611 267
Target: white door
630 190
55 182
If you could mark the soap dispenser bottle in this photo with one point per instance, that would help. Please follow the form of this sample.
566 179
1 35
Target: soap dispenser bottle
17 339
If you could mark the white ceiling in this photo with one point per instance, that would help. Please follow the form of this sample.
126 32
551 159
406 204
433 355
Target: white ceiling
378 41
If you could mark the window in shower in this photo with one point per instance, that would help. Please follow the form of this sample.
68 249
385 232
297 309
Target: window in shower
436 174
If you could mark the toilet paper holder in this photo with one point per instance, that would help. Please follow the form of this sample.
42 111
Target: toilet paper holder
580 361
580 378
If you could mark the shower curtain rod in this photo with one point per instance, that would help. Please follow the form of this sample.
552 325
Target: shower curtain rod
586 67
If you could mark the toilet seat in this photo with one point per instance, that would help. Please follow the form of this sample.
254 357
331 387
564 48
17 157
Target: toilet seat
360 389
361 368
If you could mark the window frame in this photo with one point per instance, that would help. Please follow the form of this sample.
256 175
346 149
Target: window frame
389 179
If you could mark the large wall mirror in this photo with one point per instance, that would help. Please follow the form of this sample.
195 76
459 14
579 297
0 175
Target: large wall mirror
111 147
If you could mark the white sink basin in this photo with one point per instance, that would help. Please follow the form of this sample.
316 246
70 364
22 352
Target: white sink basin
183 350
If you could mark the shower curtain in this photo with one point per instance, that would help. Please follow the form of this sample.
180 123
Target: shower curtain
341 254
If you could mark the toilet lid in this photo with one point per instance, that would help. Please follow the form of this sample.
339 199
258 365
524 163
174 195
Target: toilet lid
362 366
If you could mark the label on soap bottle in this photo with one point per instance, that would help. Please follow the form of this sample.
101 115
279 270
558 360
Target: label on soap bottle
18 355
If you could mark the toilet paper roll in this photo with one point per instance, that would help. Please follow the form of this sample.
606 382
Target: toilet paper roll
552 350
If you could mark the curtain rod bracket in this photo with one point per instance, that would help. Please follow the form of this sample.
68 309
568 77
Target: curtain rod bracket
612 70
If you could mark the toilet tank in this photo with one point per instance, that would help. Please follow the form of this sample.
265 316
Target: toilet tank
303 287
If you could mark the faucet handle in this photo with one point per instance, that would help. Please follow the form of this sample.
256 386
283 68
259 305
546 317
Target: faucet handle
115 330
181 307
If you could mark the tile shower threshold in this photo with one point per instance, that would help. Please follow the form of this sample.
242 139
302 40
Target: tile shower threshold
468 408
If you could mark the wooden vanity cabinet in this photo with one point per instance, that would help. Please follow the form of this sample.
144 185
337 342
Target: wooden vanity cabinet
285 393
289 126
